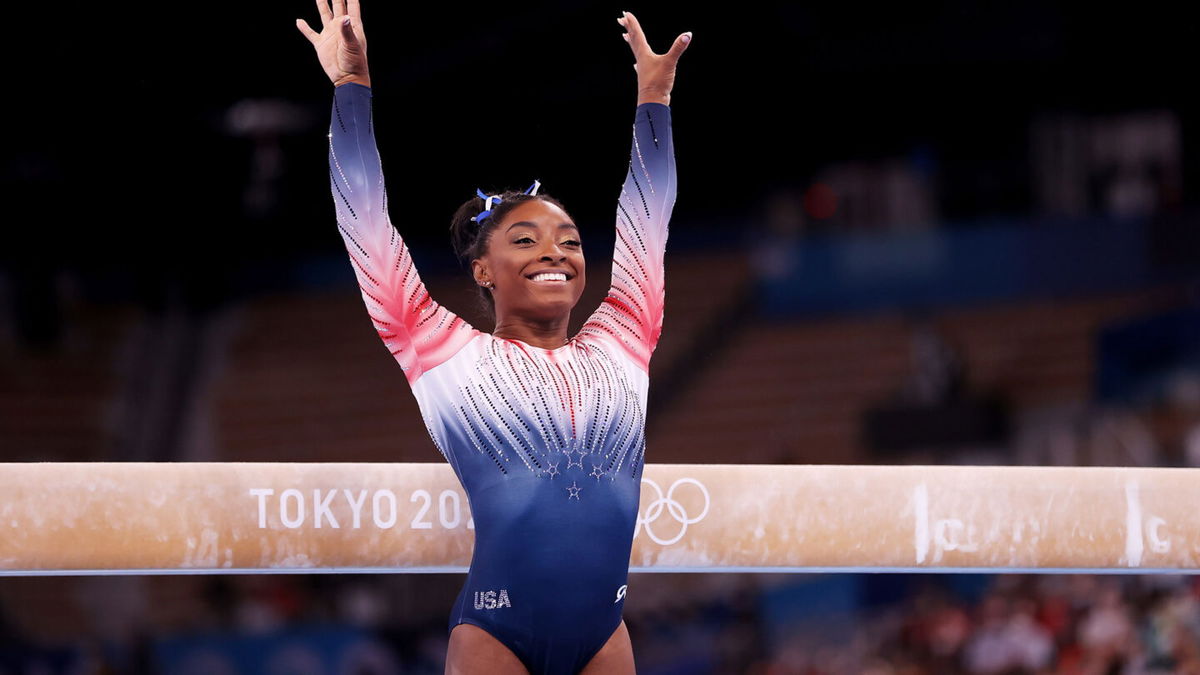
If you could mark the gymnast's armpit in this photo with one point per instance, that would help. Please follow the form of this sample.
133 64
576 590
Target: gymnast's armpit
419 332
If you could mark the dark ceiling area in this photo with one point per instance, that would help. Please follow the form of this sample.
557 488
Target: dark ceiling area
121 152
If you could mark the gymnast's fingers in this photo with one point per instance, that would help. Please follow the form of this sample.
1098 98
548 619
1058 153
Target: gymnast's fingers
624 36
307 31
636 39
326 15
679 46
349 38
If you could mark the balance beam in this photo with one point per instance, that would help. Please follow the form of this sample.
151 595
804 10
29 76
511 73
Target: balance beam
211 518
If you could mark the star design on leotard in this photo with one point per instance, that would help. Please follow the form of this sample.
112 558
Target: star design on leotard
570 464
597 472
574 490
553 470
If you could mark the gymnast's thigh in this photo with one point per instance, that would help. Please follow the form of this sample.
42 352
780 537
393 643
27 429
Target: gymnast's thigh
473 650
615 657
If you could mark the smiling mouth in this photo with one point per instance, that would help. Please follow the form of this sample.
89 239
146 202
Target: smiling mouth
550 279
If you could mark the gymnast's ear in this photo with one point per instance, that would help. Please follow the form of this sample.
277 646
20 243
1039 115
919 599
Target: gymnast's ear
480 272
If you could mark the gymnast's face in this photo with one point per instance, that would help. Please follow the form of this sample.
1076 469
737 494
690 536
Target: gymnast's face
533 238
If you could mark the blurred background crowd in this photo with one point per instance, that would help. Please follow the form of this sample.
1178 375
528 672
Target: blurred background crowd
954 233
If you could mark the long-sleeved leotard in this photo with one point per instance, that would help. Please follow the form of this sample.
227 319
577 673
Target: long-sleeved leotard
548 443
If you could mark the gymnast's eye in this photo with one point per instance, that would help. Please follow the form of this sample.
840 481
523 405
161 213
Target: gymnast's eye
572 242
523 239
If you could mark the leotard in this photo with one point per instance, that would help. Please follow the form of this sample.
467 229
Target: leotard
548 443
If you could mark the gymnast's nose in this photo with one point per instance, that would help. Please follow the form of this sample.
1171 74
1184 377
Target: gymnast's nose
553 252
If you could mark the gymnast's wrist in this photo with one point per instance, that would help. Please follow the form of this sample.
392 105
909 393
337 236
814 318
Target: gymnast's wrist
653 94
364 80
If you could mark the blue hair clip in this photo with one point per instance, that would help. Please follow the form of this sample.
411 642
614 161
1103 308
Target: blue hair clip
487 209
488 199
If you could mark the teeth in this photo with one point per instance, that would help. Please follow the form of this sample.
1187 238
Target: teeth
550 276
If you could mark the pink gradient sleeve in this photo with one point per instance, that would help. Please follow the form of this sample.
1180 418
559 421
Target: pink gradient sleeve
419 332
632 313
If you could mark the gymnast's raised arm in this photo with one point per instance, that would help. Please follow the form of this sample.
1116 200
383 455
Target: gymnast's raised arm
632 313
418 331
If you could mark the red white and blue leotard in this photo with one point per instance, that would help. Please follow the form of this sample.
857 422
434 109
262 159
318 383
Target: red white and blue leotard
548 443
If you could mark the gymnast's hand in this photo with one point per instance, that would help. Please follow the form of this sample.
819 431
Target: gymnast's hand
341 45
656 72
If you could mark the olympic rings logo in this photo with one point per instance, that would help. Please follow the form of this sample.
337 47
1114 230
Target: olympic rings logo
655 508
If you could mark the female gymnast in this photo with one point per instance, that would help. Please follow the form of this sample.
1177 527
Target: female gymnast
546 433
